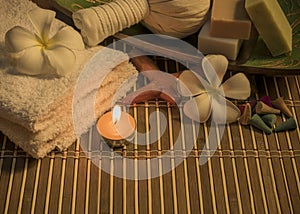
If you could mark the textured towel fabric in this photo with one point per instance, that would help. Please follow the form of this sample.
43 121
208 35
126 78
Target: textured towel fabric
62 116
37 149
177 18
98 23
36 112
38 144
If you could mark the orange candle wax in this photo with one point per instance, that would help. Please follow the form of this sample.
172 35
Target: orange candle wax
117 129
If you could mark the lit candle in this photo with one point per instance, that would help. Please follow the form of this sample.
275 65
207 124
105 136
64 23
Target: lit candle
116 127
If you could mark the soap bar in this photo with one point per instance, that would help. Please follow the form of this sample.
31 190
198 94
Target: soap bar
216 45
229 19
272 25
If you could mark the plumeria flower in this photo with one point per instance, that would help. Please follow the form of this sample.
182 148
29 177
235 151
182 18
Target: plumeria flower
209 94
37 53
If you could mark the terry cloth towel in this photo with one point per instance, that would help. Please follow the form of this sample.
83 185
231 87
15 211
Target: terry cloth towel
98 23
36 112
176 18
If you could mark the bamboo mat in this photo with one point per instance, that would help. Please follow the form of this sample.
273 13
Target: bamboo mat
249 173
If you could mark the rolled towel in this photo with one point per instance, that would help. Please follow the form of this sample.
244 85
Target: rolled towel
98 23
177 18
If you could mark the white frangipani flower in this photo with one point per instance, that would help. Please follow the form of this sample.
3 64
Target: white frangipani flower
209 95
37 53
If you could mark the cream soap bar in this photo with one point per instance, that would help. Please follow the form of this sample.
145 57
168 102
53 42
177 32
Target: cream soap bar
229 19
272 25
215 45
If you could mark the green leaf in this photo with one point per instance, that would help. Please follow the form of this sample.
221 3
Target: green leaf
261 56
74 5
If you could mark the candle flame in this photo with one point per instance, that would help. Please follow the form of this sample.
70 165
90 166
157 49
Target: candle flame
116 114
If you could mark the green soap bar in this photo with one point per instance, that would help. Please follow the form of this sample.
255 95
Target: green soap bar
272 25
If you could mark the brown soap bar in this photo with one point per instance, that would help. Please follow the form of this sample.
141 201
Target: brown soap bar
229 19
216 45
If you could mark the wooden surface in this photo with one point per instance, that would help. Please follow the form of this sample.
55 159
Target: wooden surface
249 173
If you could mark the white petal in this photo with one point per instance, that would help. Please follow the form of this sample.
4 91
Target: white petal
224 111
19 38
31 61
232 112
67 37
189 84
199 108
61 59
215 67
41 19
237 87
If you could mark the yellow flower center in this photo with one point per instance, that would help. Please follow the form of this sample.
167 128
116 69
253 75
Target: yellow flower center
44 45
43 42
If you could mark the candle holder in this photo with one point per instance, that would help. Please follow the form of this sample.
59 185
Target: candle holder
116 127
118 143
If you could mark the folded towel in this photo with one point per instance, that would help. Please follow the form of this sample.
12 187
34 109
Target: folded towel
60 137
36 112
37 149
62 115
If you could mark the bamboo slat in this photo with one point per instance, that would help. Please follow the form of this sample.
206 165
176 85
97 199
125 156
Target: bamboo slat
250 172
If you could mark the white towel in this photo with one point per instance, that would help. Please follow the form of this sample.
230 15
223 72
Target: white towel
36 112
177 18
98 23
